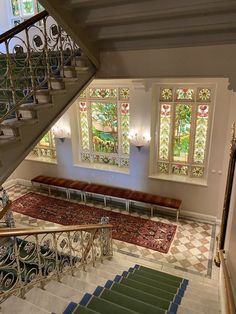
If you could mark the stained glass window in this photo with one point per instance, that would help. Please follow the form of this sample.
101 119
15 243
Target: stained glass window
183 130
45 150
23 9
104 126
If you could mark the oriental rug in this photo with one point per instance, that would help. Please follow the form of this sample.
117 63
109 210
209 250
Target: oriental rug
136 230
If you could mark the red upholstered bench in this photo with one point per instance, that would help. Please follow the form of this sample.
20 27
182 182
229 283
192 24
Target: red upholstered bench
77 186
107 192
155 200
53 182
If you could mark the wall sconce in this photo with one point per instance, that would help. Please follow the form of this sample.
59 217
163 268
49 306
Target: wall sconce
139 138
61 132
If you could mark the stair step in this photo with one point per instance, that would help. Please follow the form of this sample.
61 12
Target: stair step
107 307
83 310
130 303
35 106
17 305
46 300
8 139
64 291
80 285
14 123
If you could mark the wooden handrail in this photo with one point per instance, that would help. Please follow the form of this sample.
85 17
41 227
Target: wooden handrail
13 232
229 292
19 28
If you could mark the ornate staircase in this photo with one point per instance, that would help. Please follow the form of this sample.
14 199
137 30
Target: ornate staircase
41 71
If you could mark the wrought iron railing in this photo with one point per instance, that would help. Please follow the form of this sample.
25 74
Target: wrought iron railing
31 55
33 256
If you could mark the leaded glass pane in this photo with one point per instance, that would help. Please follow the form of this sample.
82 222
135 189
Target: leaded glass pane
201 134
27 7
124 93
164 136
197 172
186 94
82 94
45 141
182 126
106 159
163 167
180 169
85 157
166 94
104 127
84 127
40 8
124 162
204 94
15 7
125 128
103 93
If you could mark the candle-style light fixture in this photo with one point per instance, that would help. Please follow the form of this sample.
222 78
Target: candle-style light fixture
61 132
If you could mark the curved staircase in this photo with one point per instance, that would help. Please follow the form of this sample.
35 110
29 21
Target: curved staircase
42 71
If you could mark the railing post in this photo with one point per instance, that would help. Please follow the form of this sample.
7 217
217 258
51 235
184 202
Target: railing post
56 255
82 249
47 54
16 253
39 262
61 52
10 73
30 65
70 249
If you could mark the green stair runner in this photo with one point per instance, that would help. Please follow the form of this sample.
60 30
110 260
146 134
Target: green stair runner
140 290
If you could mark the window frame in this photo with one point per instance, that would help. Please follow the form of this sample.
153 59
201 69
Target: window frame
155 131
121 158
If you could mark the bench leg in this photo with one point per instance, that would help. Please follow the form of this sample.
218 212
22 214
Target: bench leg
82 196
49 190
177 215
127 206
151 211
85 199
105 201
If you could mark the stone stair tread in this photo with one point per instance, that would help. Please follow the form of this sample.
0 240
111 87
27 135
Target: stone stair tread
46 300
83 310
64 291
14 123
80 285
17 305
35 106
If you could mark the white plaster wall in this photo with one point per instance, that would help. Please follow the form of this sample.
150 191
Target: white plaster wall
4 16
206 200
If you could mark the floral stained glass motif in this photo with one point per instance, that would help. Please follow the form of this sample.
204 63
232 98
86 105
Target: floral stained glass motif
166 94
106 159
180 169
124 162
186 94
40 8
164 137
82 94
204 94
201 134
181 140
103 93
28 7
45 141
83 110
124 93
104 127
125 128
15 7
197 172
163 167
85 157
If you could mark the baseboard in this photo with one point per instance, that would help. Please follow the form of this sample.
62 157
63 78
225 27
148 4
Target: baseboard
24 182
197 216
8 184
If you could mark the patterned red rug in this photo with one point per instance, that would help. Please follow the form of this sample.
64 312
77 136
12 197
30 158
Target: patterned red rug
144 232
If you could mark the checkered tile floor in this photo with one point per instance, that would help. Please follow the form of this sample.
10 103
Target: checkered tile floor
191 250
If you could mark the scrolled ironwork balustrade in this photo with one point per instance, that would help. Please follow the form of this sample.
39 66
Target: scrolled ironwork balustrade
31 54
34 256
